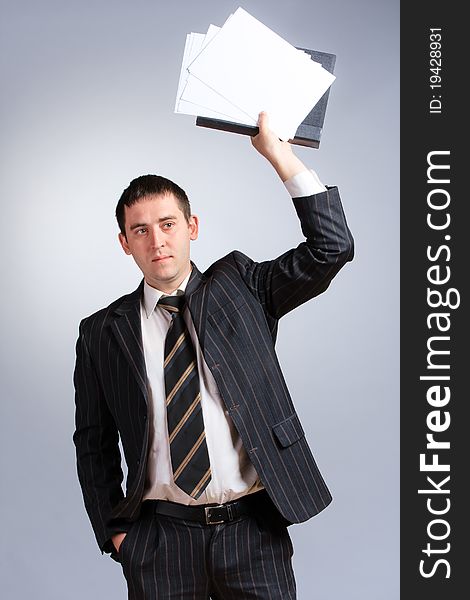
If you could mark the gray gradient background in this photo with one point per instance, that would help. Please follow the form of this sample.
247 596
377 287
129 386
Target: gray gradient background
87 104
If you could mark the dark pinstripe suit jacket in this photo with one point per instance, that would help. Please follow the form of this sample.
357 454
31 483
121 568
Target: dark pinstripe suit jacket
235 306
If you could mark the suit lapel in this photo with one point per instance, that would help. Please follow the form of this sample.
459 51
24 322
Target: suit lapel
197 295
127 329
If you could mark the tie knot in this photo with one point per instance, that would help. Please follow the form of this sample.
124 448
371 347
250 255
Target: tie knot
173 304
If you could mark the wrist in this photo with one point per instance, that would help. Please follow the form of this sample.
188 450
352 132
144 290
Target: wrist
117 539
287 165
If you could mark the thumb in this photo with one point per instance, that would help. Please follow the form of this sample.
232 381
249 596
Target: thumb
263 122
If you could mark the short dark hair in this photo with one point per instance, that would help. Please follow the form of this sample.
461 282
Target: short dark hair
150 185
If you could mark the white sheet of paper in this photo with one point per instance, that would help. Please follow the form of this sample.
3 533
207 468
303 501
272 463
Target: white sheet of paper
255 69
196 93
184 72
193 96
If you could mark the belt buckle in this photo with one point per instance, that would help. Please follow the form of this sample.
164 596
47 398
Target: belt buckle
209 509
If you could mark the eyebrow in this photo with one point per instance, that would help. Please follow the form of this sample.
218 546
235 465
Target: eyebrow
137 225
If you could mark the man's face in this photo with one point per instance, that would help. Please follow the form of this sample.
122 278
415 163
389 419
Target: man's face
158 237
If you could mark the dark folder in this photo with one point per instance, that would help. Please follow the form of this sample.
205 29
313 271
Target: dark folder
309 131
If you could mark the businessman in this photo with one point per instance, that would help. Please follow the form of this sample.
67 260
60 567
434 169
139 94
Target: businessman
184 373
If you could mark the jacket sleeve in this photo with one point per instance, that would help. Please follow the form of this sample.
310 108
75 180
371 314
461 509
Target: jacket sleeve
96 440
306 271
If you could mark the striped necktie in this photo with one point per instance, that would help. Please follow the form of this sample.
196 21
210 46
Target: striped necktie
188 447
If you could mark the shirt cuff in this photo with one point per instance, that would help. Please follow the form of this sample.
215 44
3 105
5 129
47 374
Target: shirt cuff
305 183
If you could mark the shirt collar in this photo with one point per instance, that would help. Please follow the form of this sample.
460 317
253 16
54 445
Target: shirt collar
152 295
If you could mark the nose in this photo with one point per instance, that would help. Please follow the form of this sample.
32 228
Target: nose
156 238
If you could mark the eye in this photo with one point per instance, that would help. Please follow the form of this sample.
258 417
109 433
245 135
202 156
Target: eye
168 225
141 231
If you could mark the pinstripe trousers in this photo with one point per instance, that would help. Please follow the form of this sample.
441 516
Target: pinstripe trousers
167 558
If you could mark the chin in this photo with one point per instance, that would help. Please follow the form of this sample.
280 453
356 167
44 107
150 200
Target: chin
164 274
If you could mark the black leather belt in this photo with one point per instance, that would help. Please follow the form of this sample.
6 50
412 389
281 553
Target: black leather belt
209 514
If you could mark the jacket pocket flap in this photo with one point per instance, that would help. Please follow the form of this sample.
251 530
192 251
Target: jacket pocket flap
288 431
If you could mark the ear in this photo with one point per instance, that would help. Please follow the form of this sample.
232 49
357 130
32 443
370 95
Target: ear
193 227
123 241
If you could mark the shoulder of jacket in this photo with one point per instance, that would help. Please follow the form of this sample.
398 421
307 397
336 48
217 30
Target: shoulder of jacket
229 261
101 315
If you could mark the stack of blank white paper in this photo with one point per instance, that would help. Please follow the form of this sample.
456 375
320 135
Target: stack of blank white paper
235 71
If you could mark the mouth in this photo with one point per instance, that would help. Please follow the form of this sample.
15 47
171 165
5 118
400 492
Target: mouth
160 258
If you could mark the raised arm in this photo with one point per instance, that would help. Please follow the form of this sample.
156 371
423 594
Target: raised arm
306 271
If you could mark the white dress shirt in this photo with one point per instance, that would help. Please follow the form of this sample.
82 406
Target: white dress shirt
232 473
